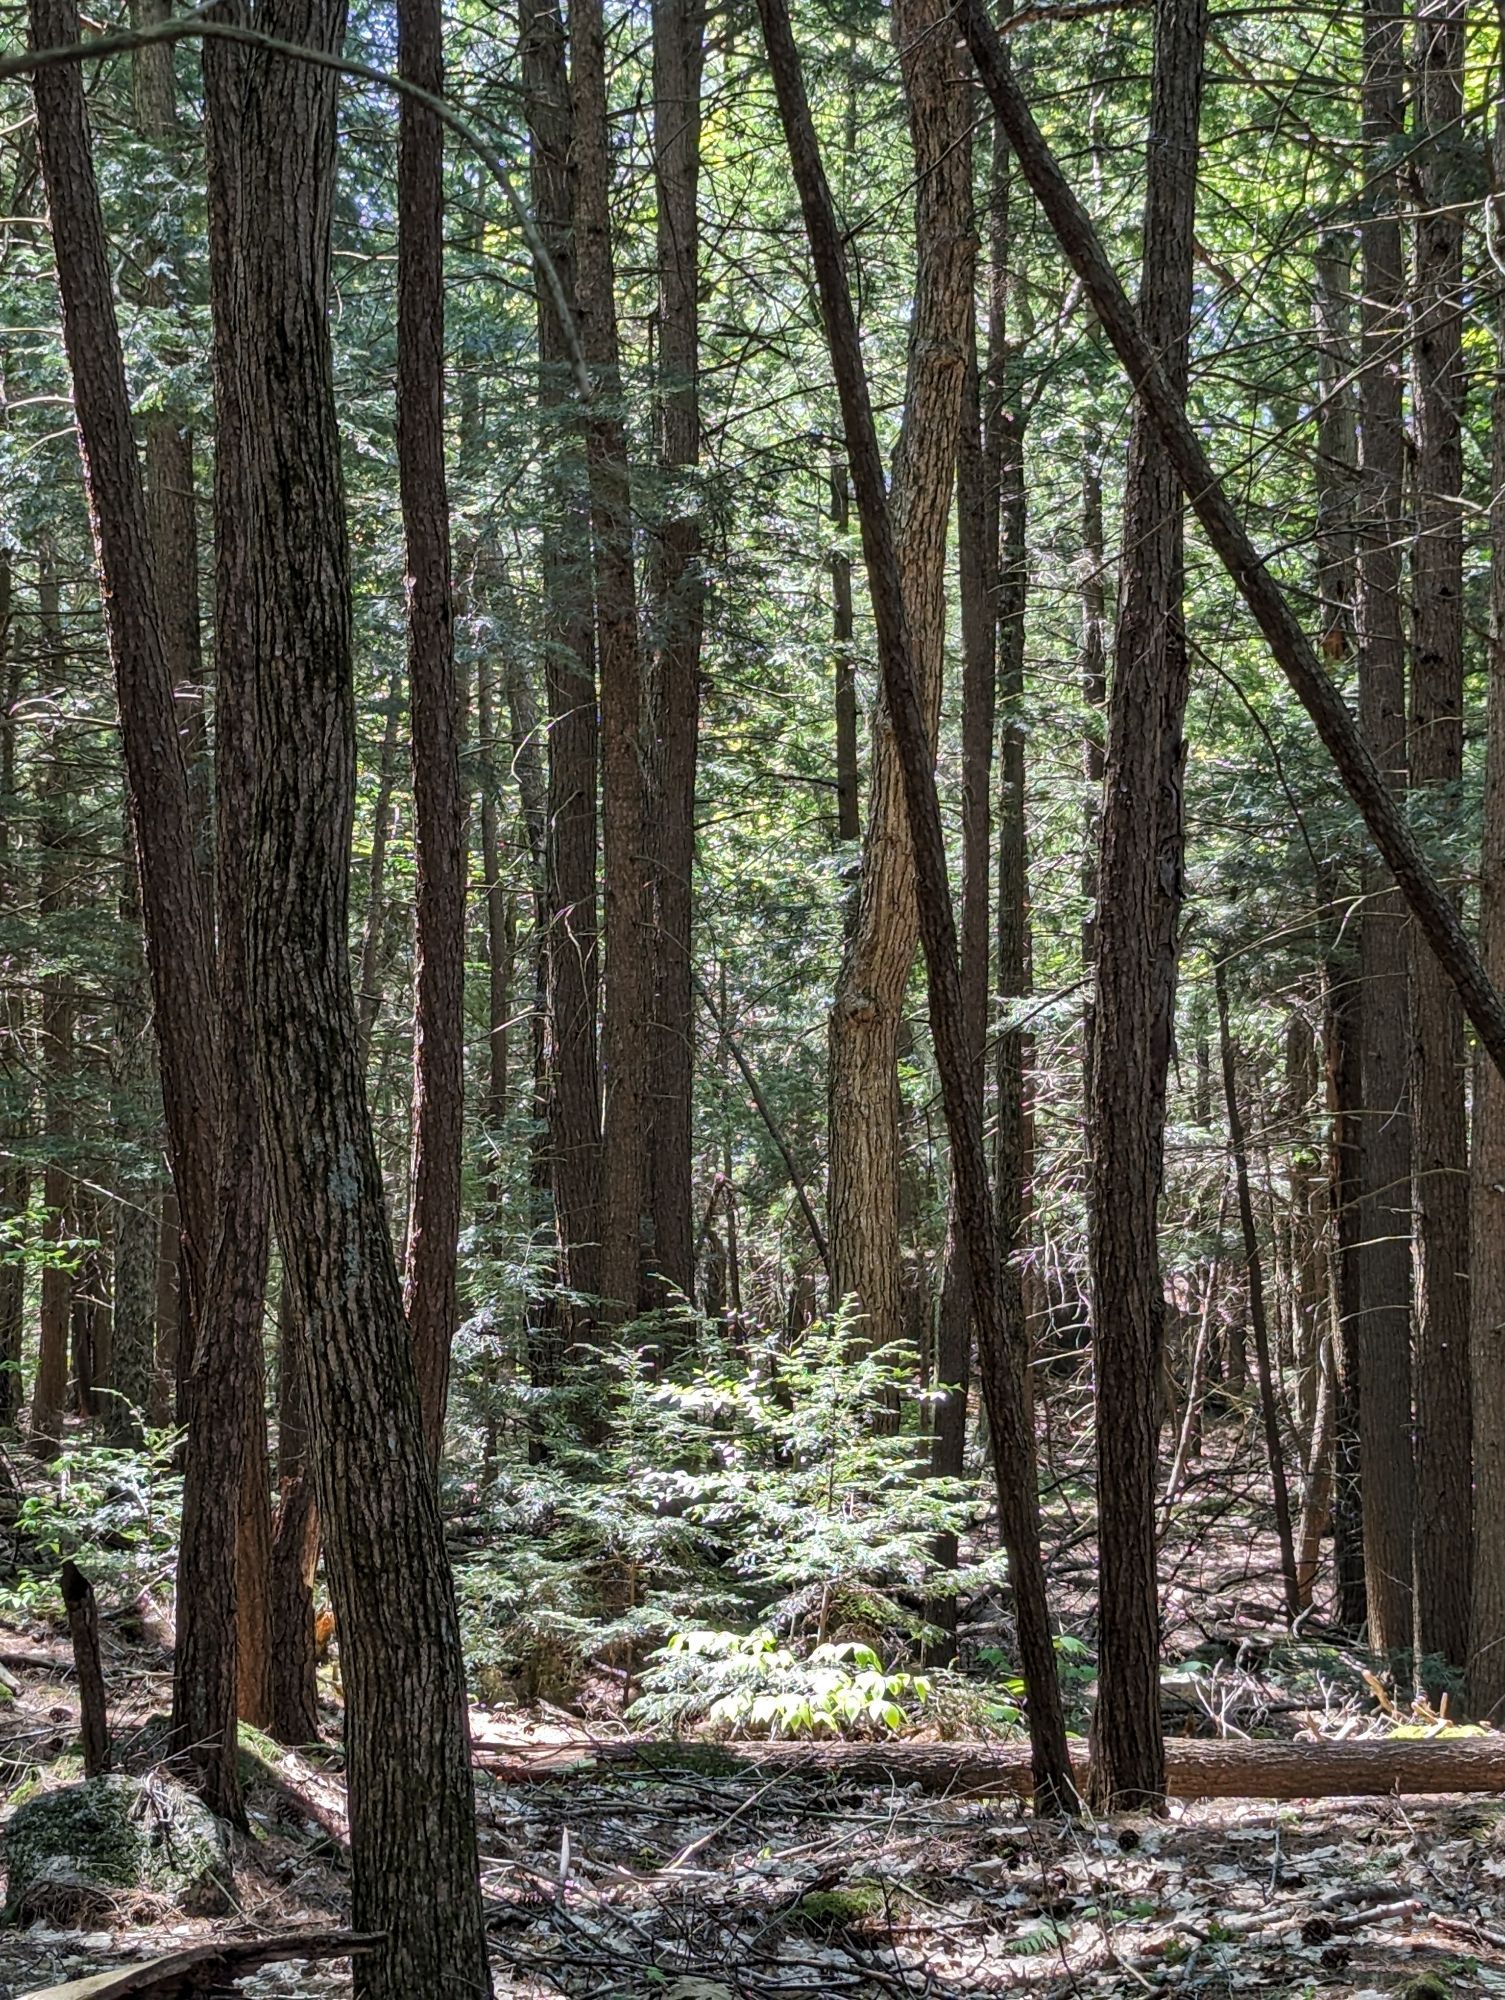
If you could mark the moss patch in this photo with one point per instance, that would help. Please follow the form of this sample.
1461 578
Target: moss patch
83 1850
844 1908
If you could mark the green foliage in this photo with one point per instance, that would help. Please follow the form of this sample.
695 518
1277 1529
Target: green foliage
749 1684
764 1488
116 1509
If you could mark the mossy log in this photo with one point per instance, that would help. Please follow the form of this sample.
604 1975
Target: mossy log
1197 1768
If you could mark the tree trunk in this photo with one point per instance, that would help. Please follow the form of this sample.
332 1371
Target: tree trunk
411 1809
678 621
15 1057
1342 1007
1444 1464
572 970
58 1010
1139 898
178 944
1195 1768
1385 1144
625 874
1486 1643
136 1122
1264 1362
844 650
1005 1388
292 1681
863 1195
439 810
1430 905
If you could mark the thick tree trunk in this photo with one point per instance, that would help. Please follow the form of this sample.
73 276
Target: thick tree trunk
1486 1644
863 1195
430 1280
411 1810
1139 898
571 942
1384 1254
1005 1388
678 619
1444 1466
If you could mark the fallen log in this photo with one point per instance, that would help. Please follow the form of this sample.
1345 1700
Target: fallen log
1212 1768
205 1966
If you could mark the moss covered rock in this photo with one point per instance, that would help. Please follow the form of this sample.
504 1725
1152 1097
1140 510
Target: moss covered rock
84 1851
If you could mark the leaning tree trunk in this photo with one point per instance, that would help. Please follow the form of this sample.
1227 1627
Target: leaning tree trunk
1005 1387
1385 1158
1439 1163
430 1283
412 1825
1139 896
863 1196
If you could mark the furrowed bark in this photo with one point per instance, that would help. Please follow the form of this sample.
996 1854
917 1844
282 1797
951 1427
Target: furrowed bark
1003 1360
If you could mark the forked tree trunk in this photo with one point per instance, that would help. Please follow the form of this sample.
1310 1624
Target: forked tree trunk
1139 899
863 1195
1005 1388
439 807
1444 1467
412 1818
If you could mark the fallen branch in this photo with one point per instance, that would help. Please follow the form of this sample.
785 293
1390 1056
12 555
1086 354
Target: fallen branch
1197 1769
204 1966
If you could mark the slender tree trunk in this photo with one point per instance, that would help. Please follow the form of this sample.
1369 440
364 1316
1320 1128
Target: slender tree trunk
178 945
844 650
292 1683
372 959
1444 1465
58 1011
1342 1005
136 1120
1005 1389
863 1195
571 943
412 1821
628 906
16 1065
1138 915
678 619
1385 1159
1486 1644
1259 1326
430 1280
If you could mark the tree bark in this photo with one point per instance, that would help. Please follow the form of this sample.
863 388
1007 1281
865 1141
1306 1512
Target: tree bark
678 617
178 945
625 869
1004 1383
1258 1324
292 1680
439 811
571 941
1139 899
411 1809
864 1176
1486 1644
83 1630
1384 1252
1440 1198
1195 1769
58 1010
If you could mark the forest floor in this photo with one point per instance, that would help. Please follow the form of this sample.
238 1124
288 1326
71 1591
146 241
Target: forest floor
688 1885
